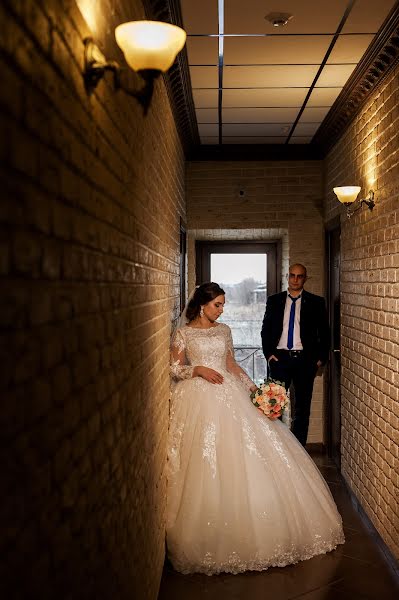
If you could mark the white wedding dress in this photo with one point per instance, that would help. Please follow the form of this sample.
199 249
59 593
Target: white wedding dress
242 492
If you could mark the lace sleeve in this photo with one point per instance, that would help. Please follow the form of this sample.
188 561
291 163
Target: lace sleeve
179 368
233 367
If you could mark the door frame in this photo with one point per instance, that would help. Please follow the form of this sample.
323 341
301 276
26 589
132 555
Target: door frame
333 226
204 248
182 262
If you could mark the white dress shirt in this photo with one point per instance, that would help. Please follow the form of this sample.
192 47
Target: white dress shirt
282 344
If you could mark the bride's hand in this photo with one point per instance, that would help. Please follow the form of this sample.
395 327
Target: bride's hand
209 374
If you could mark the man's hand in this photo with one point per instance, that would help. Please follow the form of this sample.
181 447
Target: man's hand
209 374
319 363
272 357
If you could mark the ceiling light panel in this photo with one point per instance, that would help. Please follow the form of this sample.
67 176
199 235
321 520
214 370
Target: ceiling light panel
350 48
260 115
254 140
208 129
305 129
367 16
278 50
323 96
313 114
202 50
200 17
251 19
335 75
269 76
205 98
264 129
207 115
204 77
264 97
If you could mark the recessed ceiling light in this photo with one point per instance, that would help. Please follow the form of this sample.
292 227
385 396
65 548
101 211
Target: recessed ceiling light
278 19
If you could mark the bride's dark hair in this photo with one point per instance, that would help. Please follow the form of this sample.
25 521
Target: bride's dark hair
202 295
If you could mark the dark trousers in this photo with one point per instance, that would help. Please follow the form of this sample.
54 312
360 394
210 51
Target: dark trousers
300 370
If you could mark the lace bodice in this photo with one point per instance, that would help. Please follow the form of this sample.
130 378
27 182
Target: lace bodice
211 348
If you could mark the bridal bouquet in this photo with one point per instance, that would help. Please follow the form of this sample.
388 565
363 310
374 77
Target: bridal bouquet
271 398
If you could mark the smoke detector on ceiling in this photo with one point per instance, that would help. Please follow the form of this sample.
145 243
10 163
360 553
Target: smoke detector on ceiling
278 19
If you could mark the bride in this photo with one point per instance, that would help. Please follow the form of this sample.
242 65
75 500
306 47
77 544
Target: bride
243 494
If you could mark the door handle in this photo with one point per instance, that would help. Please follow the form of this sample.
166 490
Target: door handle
337 350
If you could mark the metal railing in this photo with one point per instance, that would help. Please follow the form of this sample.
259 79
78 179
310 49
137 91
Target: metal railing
251 359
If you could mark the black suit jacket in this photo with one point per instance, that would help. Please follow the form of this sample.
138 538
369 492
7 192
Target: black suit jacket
314 330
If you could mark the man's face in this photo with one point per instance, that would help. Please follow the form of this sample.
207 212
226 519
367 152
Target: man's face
296 278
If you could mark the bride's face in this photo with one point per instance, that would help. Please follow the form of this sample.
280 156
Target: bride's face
214 308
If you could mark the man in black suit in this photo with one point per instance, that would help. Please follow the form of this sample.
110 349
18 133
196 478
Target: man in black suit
295 341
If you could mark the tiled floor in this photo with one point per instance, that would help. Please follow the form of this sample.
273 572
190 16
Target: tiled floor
355 571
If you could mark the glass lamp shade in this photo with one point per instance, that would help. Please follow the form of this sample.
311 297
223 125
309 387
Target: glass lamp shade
347 194
150 44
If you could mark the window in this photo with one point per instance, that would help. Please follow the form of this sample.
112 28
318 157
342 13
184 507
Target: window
248 273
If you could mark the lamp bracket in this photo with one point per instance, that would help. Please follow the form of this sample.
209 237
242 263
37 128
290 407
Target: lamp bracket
96 65
144 94
369 201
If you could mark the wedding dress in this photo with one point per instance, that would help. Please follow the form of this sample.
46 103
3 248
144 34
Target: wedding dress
243 494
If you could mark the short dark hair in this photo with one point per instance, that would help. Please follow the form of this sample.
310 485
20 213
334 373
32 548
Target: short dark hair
202 295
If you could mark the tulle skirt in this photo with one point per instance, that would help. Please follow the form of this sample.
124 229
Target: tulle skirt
243 494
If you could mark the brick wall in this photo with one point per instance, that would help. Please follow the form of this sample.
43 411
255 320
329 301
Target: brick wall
91 197
281 198
368 155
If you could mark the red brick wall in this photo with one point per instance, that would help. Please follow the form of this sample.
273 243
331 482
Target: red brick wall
91 197
368 155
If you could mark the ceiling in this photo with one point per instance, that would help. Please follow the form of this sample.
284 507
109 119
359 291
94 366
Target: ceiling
254 83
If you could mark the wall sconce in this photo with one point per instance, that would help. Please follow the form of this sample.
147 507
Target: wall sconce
347 195
149 47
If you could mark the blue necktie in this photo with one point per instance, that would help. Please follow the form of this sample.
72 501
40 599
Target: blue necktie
290 338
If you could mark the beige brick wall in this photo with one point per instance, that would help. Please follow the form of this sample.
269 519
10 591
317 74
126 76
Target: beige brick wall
91 197
282 200
368 155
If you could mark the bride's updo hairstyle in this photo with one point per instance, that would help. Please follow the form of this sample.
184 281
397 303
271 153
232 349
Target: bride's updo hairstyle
202 295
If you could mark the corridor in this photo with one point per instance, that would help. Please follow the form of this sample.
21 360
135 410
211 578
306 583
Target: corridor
119 184
355 571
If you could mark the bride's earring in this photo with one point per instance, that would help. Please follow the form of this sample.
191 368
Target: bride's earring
202 311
